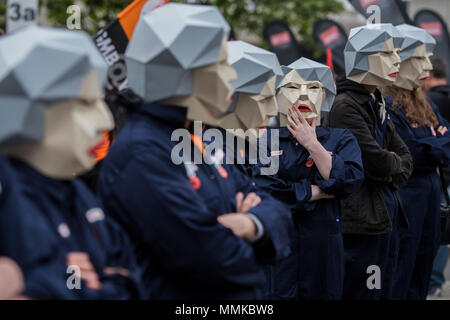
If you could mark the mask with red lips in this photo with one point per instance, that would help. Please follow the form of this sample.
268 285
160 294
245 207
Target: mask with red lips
58 117
307 85
254 101
372 54
417 48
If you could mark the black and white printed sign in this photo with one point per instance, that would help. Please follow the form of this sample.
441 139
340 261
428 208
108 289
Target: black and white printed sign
21 13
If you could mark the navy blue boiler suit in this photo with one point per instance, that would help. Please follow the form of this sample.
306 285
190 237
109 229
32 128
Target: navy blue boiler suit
421 198
171 211
54 219
315 269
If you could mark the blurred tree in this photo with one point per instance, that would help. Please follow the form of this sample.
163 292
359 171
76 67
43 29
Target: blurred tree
95 14
3 15
251 16
247 17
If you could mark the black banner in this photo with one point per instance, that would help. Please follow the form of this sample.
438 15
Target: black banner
331 38
112 43
282 42
391 11
436 26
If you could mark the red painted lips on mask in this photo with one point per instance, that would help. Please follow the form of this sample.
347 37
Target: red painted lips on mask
304 108
100 150
393 75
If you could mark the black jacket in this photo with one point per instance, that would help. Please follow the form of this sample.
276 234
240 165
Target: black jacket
440 95
365 211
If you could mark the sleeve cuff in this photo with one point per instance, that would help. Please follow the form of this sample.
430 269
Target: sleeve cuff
259 228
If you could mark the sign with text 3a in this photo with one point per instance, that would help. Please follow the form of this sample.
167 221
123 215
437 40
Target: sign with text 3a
21 13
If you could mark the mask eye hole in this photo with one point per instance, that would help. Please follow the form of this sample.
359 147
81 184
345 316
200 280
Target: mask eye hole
84 102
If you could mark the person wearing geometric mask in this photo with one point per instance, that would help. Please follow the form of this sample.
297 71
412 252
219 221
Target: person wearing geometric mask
424 130
199 230
202 74
253 103
415 66
318 166
254 100
311 97
372 214
51 119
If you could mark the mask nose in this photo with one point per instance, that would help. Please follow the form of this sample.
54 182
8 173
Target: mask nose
303 93
427 65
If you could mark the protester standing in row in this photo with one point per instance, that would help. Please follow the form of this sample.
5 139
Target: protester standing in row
438 91
424 131
371 215
317 166
198 229
51 120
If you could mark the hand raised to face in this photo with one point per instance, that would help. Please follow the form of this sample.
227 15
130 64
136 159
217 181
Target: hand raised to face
301 129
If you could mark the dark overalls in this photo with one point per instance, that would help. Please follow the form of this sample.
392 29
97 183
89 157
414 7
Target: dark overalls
364 253
170 211
46 220
315 269
421 199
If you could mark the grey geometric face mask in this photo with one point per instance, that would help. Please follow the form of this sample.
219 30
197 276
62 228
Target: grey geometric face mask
168 44
39 67
371 54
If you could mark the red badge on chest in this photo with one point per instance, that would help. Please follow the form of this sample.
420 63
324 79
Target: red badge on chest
309 162
223 172
196 183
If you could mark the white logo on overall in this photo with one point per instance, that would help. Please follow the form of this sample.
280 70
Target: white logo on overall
191 169
94 215
63 230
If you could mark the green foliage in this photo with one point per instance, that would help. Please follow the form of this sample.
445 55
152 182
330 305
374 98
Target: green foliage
246 17
250 19
95 14
3 15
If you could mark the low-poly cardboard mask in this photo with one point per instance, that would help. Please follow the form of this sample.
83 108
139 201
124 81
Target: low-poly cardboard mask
307 85
254 102
178 56
211 92
418 46
51 100
371 54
